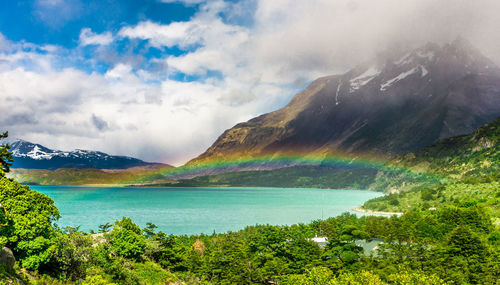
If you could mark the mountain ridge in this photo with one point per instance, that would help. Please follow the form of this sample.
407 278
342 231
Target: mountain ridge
462 171
383 108
473 154
30 155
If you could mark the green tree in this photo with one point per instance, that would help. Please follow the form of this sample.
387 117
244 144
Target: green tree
30 216
103 228
408 277
5 156
465 242
474 217
126 239
70 254
149 230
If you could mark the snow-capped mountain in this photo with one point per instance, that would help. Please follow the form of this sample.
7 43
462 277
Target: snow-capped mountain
35 156
399 102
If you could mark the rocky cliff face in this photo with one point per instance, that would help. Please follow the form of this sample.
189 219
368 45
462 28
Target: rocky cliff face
397 103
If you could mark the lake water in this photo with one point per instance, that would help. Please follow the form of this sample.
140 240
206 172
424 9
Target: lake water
199 210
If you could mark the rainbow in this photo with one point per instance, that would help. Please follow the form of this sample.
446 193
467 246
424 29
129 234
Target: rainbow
265 162
270 162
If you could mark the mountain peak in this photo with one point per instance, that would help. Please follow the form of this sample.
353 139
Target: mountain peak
462 52
384 107
10 140
35 156
462 43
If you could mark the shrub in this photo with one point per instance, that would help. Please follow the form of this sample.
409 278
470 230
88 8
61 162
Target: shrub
28 223
126 239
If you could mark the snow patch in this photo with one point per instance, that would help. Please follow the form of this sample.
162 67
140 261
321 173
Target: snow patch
364 78
337 93
402 76
424 71
408 58
38 154
404 60
428 55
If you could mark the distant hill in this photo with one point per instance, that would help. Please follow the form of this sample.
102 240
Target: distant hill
462 171
35 156
89 176
472 155
293 177
397 103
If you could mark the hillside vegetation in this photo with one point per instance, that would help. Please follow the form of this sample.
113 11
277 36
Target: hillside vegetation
88 176
468 156
462 171
453 245
293 177
447 234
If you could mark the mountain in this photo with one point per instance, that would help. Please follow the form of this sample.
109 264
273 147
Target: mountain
35 156
469 156
397 103
304 176
90 176
462 171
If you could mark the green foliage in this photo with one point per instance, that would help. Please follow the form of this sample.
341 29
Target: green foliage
409 277
87 176
29 218
69 254
105 227
460 194
447 235
126 239
452 245
324 276
472 159
5 156
469 156
96 280
149 230
472 217
293 177
465 242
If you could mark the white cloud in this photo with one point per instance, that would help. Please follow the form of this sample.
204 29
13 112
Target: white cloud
120 71
4 43
144 112
87 37
178 33
56 13
116 112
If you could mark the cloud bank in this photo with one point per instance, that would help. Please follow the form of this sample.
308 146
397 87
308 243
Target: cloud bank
231 61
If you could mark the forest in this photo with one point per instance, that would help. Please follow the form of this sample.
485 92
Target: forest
455 243
452 245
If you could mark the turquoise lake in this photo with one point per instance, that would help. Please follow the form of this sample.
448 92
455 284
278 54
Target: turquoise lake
199 210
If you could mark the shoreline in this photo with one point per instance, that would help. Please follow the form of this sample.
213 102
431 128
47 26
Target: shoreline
203 186
360 210
80 185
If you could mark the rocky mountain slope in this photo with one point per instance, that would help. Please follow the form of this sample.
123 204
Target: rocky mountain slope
397 103
473 155
35 156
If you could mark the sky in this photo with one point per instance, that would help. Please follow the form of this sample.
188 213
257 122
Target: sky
161 80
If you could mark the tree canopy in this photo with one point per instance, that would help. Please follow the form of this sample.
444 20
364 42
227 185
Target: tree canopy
6 158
